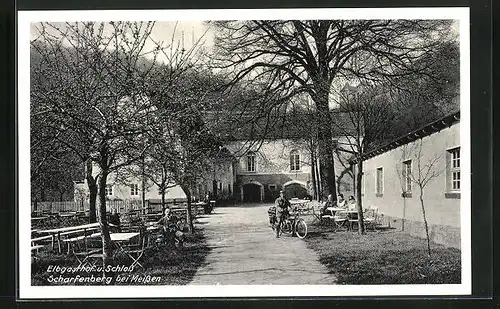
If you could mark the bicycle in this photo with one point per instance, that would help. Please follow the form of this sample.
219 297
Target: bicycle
292 225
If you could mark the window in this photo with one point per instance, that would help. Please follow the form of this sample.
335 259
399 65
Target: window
229 188
453 164
294 161
407 176
134 189
108 190
251 162
379 181
220 187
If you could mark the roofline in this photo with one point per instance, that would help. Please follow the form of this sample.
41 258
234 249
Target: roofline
429 129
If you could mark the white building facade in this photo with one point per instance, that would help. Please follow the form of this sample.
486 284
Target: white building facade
391 181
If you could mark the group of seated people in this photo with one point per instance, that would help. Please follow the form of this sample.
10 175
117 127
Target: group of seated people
339 203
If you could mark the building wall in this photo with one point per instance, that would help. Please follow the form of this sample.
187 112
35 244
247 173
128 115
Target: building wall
272 167
121 190
224 177
273 171
121 182
443 212
272 174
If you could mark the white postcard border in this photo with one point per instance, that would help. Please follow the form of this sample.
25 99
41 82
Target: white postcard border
26 291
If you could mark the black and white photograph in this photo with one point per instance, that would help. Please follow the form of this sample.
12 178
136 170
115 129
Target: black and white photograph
252 153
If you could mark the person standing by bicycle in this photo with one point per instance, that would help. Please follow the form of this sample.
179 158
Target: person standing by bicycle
282 212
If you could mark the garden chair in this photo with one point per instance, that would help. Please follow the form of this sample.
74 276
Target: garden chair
339 220
326 216
136 250
91 252
370 218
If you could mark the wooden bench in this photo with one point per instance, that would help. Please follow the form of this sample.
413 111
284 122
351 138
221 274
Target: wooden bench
69 231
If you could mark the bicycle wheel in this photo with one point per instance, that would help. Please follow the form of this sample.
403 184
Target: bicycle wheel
301 229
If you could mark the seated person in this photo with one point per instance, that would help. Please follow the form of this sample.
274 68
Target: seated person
351 204
341 203
330 202
115 220
170 227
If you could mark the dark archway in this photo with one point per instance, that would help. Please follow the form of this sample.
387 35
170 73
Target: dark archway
295 190
251 192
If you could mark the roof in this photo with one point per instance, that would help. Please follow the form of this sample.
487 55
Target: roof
429 129
290 125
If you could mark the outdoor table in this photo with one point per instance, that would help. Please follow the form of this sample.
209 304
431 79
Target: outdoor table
334 210
67 230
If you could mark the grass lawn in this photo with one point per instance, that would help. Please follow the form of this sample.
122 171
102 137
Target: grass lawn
169 266
385 257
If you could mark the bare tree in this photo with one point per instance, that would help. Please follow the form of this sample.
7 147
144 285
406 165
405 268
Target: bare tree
366 117
93 81
196 147
427 168
286 58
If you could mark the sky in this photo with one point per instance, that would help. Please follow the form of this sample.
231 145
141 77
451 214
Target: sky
183 34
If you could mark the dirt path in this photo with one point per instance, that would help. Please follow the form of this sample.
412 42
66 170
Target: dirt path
245 251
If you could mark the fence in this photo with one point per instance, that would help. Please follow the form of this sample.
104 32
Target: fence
82 206
55 207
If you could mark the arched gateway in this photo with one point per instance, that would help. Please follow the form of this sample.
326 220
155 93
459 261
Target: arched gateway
295 189
252 191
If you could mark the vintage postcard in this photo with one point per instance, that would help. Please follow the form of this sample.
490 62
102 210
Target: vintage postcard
244 153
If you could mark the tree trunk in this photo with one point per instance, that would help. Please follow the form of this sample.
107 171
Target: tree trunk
163 199
404 213
92 184
318 179
313 176
187 191
425 222
325 143
359 199
143 191
103 220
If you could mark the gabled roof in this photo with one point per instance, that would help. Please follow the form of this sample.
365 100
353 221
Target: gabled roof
431 128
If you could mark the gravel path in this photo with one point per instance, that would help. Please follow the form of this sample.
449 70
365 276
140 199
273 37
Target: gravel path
244 250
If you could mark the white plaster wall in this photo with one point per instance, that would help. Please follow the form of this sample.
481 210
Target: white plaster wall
273 157
440 210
